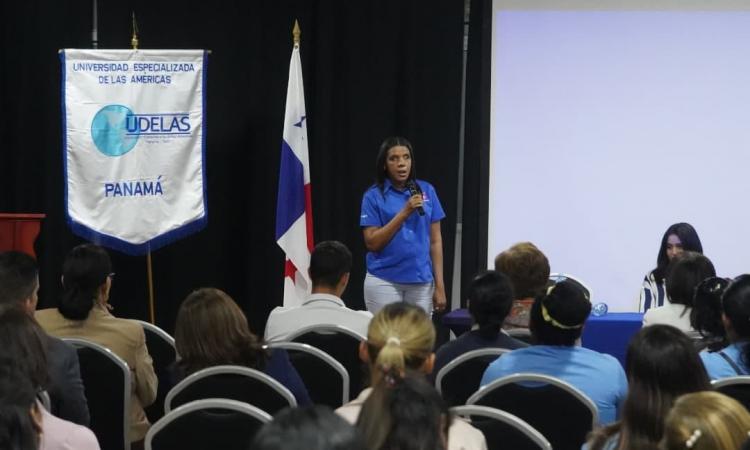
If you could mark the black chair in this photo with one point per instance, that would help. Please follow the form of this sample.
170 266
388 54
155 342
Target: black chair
342 344
522 334
234 383
107 385
326 380
736 387
207 424
561 412
163 353
503 430
460 378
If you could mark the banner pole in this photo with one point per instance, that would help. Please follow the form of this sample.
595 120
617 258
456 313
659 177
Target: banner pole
150 275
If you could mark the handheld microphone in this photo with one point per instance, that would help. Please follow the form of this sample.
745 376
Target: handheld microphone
414 190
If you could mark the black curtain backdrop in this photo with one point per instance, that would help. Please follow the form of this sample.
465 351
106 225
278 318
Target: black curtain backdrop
371 69
476 144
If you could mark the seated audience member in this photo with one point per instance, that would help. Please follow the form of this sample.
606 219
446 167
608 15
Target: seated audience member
685 273
528 270
83 313
400 340
307 428
23 372
404 412
661 364
211 330
706 421
19 286
679 237
734 359
330 264
557 319
490 299
705 317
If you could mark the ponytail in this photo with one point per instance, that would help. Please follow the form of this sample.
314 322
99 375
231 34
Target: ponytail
85 270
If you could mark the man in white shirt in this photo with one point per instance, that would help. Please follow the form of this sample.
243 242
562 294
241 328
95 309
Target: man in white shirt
330 264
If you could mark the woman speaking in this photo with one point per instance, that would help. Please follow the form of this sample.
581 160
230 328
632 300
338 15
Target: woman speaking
400 222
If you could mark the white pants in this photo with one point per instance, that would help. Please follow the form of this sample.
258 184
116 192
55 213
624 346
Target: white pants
379 292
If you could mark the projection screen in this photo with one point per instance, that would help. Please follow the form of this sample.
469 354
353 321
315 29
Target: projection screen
611 120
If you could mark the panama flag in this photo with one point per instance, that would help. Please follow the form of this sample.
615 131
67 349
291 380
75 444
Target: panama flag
294 232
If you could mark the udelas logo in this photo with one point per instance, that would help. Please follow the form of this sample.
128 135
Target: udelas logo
116 128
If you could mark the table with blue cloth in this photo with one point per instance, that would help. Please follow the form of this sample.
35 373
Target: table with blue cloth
609 333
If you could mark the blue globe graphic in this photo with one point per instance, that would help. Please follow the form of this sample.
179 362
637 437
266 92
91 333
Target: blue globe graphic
109 130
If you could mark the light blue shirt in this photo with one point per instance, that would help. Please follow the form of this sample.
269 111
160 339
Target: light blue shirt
598 375
406 258
717 367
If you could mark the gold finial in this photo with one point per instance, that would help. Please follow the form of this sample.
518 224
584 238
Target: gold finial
296 32
134 38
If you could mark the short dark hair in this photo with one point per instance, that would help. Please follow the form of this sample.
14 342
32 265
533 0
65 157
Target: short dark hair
307 428
490 300
527 267
685 272
18 277
567 308
381 173
22 341
690 243
85 269
329 261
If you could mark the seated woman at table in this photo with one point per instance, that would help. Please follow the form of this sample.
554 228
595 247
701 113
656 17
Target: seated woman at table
490 299
734 359
679 237
661 365
685 273
211 330
528 270
557 319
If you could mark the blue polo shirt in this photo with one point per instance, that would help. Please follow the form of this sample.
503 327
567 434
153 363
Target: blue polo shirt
598 375
406 258
717 367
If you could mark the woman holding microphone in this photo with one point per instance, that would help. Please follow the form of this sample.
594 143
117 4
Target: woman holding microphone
400 222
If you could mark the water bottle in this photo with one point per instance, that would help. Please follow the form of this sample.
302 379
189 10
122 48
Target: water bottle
599 309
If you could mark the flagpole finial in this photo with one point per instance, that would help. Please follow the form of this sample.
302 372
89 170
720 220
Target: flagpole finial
296 32
134 38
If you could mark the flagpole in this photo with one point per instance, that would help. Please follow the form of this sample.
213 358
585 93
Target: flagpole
149 264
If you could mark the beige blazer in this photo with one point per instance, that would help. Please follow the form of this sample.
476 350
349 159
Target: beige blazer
126 339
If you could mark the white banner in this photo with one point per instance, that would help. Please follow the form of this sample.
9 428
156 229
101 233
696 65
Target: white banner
134 145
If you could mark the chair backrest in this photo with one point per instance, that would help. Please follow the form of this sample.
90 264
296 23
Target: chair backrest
736 387
209 423
561 412
163 353
342 344
460 378
107 385
326 379
234 383
558 277
503 430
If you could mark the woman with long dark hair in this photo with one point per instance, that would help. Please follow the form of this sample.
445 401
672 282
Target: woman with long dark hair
211 330
84 312
661 364
679 237
400 221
